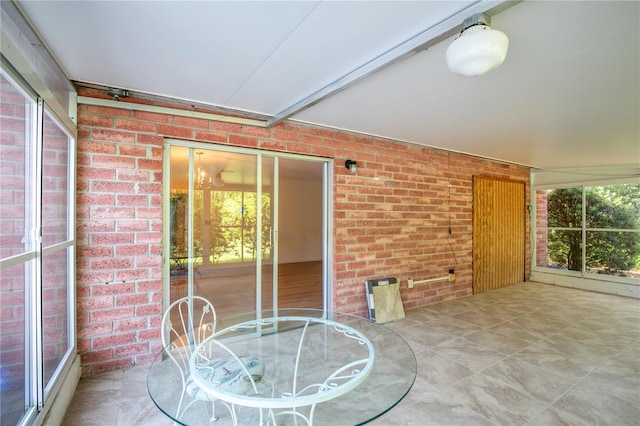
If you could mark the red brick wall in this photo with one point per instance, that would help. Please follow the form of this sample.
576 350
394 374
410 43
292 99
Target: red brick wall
398 225
390 219
541 228
119 232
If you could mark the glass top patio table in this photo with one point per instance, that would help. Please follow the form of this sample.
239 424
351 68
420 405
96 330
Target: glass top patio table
334 369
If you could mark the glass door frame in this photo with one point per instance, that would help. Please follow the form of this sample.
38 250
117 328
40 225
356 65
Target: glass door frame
42 385
327 240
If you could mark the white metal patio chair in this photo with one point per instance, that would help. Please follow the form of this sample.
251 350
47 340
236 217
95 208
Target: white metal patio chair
186 323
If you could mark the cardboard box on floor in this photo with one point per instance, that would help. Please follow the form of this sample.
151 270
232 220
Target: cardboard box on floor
383 298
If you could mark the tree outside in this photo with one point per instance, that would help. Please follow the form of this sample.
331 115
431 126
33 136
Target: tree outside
233 219
231 222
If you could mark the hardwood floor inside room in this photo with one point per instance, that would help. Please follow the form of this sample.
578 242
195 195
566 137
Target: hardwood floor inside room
300 285
233 290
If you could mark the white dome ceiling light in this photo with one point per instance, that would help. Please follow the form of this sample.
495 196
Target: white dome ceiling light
478 49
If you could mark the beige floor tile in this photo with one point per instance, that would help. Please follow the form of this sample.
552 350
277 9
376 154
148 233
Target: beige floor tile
530 354
529 379
470 354
594 404
495 400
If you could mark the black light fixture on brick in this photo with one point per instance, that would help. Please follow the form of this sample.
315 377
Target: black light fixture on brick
352 166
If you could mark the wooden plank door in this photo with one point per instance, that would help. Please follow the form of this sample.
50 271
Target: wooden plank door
498 233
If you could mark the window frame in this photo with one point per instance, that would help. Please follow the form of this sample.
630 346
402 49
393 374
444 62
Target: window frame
39 396
583 273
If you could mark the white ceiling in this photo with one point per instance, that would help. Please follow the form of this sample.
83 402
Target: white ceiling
567 96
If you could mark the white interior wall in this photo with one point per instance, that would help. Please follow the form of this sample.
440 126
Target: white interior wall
300 221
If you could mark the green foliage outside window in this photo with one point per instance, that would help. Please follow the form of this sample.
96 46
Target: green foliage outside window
611 224
232 232
230 218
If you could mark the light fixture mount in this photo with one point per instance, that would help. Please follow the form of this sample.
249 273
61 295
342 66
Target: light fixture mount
476 19
116 94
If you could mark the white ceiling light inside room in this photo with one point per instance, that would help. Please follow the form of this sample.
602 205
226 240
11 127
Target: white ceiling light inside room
217 181
478 49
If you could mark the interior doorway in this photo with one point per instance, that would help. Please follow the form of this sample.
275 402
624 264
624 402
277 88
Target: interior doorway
499 222
244 228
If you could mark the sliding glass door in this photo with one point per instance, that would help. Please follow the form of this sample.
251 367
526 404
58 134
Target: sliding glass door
244 229
301 234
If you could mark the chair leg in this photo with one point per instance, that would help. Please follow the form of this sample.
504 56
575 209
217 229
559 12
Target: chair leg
213 412
178 414
234 415
232 412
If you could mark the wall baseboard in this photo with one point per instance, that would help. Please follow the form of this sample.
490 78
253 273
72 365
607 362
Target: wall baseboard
600 286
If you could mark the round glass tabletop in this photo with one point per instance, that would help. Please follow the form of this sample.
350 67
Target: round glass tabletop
334 369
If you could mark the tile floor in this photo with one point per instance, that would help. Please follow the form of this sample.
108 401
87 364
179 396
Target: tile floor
530 354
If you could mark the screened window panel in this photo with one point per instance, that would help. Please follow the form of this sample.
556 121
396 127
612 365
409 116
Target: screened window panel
15 195
13 374
37 194
600 237
55 184
55 307
16 248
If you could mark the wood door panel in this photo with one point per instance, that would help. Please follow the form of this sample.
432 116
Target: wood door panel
498 233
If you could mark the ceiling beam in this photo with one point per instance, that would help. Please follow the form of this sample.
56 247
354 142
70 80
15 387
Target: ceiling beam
416 44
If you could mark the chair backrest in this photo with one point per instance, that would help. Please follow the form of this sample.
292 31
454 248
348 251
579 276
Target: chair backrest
185 323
